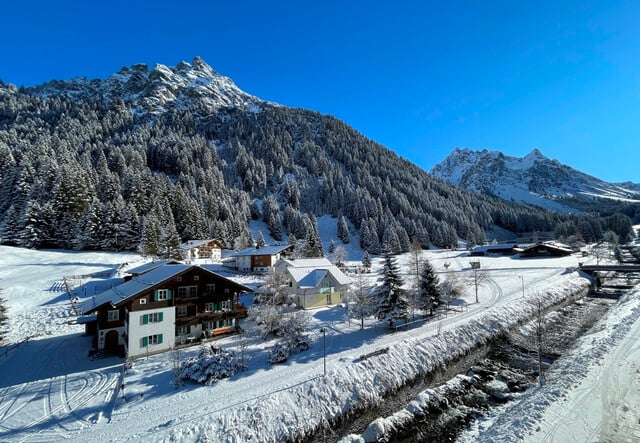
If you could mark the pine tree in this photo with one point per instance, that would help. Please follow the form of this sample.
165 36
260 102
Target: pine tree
150 243
343 230
313 244
260 240
366 262
428 288
332 247
391 300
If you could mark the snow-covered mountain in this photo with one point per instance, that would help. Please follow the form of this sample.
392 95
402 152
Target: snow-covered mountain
533 179
194 86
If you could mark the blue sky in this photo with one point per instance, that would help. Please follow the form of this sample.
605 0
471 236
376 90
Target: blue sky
419 77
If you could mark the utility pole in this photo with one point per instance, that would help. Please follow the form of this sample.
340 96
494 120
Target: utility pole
324 350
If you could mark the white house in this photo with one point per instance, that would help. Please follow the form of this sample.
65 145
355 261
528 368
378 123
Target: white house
210 250
165 305
314 282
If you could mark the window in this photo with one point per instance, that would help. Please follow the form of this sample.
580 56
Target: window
183 330
154 317
225 305
209 325
143 301
209 307
151 340
113 315
181 311
226 290
196 277
178 278
162 294
187 291
211 287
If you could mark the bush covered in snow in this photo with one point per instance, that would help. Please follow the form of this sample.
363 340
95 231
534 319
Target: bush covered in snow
210 365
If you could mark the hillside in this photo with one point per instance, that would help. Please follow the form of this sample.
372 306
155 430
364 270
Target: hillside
152 156
533 179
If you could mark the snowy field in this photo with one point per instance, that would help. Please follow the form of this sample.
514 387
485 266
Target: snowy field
50 390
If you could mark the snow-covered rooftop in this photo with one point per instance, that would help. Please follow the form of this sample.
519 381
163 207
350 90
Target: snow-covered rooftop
264 250
134 286
309 272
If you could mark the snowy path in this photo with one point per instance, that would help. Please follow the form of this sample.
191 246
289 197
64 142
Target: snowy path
605 405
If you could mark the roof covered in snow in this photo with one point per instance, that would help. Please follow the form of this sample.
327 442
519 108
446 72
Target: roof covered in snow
143 282
190 244
264 250
149 266
134 286
309 272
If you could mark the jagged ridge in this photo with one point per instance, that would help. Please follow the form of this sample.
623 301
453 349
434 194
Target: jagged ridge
533 179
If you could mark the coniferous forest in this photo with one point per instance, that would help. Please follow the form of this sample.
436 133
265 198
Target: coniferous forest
104 164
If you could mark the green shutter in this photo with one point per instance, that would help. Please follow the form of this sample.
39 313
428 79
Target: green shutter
155 295
145 342
168 294
145 319
188 329
160 316
159 338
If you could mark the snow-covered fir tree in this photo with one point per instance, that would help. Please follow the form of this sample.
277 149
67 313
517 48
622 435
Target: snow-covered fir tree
428 297
343 230
391 303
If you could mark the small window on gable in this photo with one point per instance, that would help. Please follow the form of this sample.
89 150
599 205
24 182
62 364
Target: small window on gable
178 278
143 301
113 315
226 290
162 294
196 277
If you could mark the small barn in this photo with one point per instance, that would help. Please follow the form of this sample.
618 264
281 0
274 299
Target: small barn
545 249
503 249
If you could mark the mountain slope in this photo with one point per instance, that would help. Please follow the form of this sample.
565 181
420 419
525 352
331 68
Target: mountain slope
150 157
533 179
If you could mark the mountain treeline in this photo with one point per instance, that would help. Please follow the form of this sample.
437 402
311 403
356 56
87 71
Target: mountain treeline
88 172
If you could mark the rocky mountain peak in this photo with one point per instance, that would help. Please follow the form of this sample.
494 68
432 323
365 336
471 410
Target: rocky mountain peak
194 85
533 179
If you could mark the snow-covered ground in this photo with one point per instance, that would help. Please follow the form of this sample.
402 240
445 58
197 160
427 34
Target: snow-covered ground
50 390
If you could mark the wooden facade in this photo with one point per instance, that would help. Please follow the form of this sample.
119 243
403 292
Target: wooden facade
189 304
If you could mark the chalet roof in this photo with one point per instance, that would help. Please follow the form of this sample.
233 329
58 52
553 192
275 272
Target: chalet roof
313 278
190 244
141 283
498 247
547 244
149 266
310 271
264 250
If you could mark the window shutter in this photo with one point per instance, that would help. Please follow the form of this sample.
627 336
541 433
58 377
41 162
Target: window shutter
145 342
159 338
168 294
160 316
155 295
145 319
188 329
